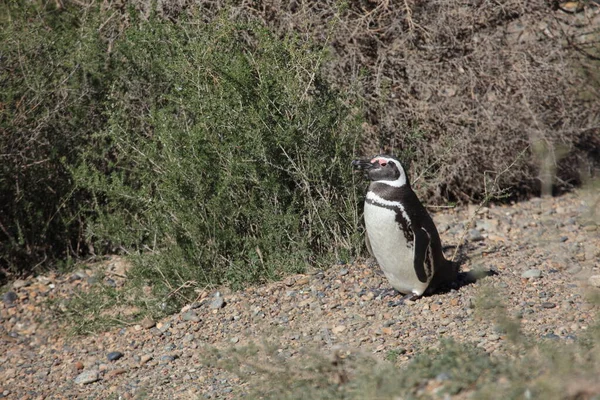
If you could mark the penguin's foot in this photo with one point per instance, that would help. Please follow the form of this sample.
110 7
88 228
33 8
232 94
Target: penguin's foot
399 302
381 293
387 293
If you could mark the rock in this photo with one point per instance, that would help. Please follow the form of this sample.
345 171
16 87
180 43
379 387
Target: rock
575 269
10 373
19 283
190 316
343 272
147 323
188 338
443 376
9 298
114 355
217 302
531 273
115 372
86 377
548 305
289 281
594 280
168 358
474 235
163 326
442 227
551 336
302 281
145 358
338 329
488 225
170 346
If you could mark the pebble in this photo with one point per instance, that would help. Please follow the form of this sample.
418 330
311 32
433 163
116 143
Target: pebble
115 372
145 358
86 377
575 269
548 305
19 283
217 302
338 329
188 338
9 298
289 281
302 281
190 316
148 323
114 355
594 280
475 235
443 376
551 336
531 273
168 358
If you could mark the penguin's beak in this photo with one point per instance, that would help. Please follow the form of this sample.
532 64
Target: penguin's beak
364 165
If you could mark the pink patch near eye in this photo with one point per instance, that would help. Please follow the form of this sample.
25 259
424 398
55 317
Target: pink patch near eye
381 162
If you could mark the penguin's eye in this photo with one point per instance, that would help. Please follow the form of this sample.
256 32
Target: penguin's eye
383 164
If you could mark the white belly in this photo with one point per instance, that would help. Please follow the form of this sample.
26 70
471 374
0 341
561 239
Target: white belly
391 249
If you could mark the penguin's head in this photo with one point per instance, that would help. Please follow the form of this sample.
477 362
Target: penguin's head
383 169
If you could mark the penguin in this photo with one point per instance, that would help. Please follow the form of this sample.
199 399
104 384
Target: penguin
400 233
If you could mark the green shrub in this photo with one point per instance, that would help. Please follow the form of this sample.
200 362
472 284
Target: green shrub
225 156
214 152
53 82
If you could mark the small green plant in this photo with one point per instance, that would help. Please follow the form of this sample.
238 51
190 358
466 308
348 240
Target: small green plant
392 355
100 308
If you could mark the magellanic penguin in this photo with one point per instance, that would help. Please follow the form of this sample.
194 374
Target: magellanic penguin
400 232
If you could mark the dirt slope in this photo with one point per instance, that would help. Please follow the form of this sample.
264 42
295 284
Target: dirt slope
543 253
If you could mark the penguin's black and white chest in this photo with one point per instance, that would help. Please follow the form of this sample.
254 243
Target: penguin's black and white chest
393 243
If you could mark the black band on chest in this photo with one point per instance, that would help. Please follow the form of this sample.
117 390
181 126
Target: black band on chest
405 226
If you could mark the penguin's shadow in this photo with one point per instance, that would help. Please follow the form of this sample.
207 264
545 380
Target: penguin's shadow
463 278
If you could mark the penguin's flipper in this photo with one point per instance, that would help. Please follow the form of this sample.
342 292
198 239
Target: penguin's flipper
420 251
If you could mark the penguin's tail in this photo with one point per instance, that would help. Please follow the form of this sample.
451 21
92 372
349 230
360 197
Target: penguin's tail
445 277
452 268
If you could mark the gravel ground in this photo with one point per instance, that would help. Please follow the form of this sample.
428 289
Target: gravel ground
543 254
